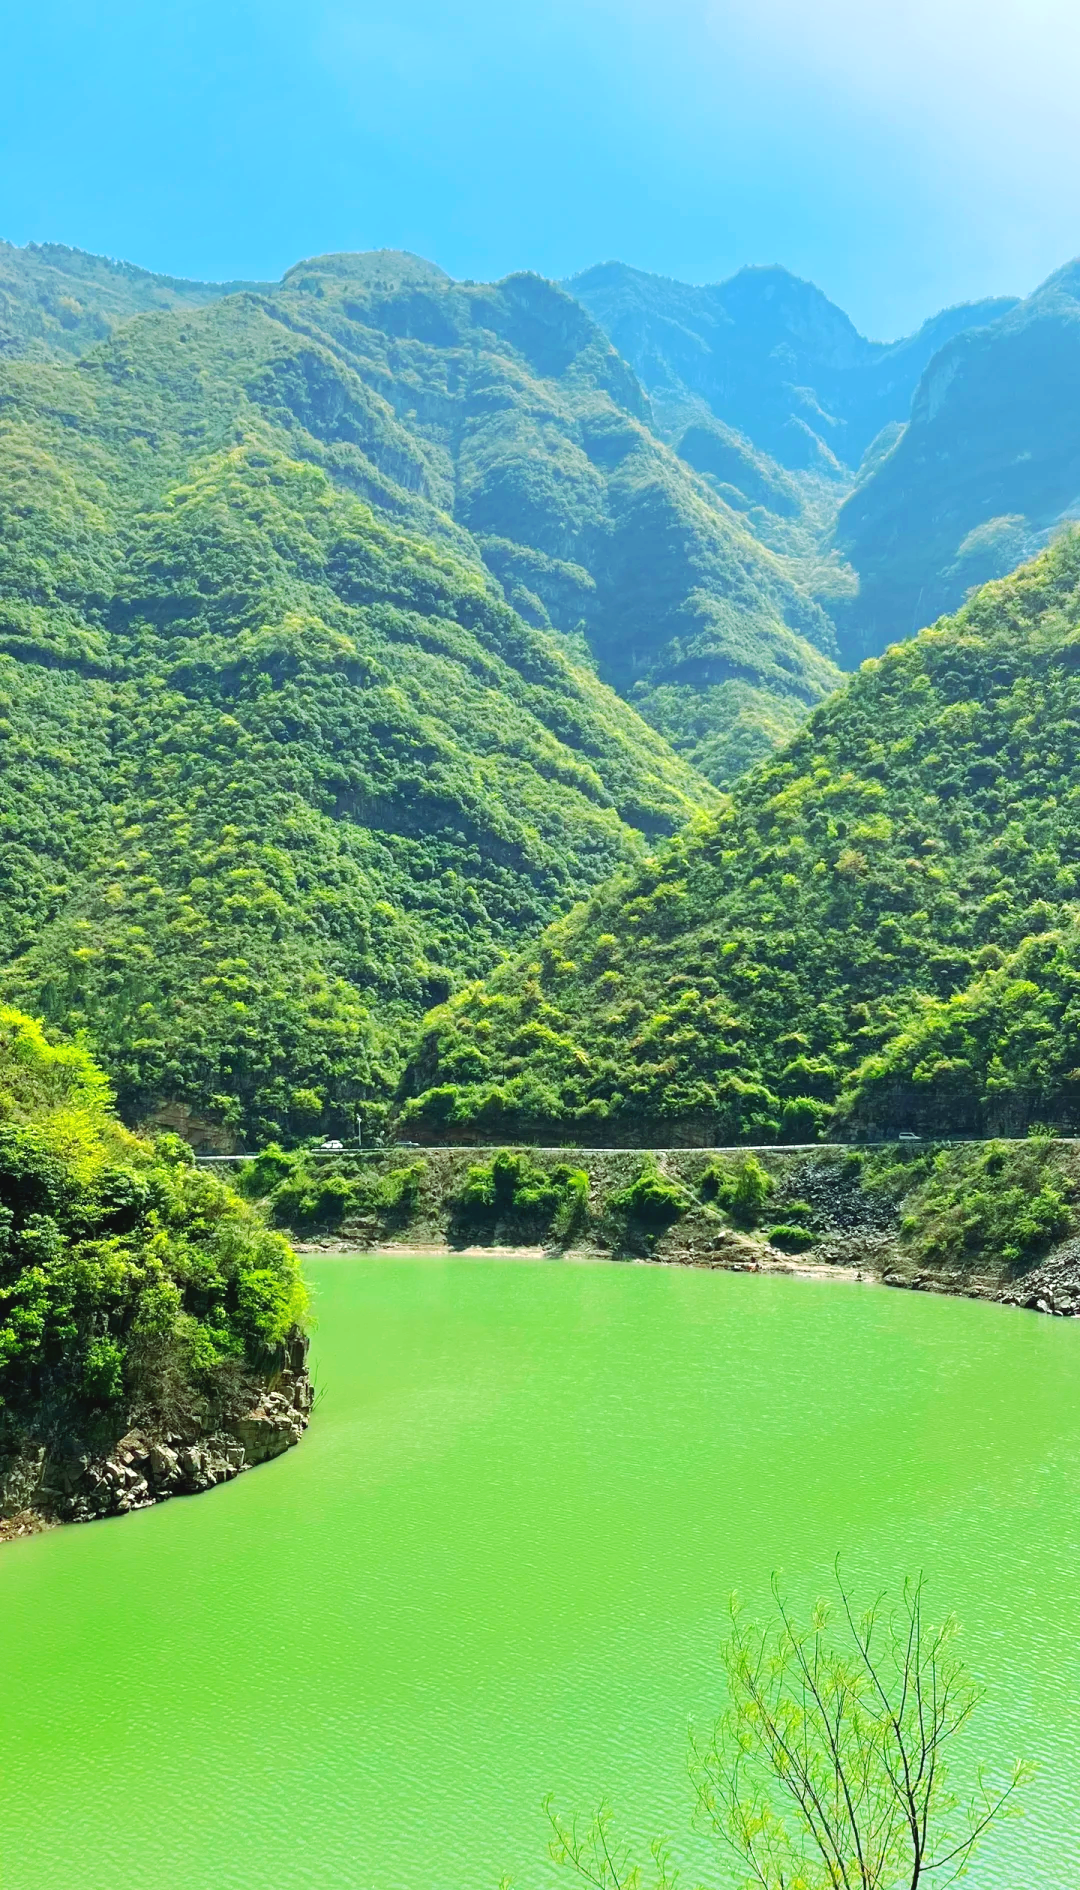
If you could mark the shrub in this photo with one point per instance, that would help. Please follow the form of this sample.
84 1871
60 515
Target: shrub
650 1199
399 1190
792 1237
804 1119
308 1199
741 1193
573 1210
511 1187
132 1284
258 1178
1002 1201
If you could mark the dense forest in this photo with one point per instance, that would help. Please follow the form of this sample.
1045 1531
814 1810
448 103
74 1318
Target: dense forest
498 420
133 1288
877 931
334 615
278 769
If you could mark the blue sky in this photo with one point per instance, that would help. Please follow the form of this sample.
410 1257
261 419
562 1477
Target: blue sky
903 154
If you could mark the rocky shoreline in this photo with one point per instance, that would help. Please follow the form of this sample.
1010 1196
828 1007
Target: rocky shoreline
872 1258
40 1488
961 1220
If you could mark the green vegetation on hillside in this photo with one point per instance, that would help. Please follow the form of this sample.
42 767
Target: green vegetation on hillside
132 1287
808 939
494 418
278 771
995 1219
59 301
983 475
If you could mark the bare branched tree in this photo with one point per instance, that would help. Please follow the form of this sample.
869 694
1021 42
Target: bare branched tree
830 1766
597 1856
829 1770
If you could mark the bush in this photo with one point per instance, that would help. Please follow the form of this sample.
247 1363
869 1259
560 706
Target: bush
511 1188
1001 1201
398 1191
573 1211
741 1193
804 1119
791 1237
307 1199
258 1178
651 1200
131 1282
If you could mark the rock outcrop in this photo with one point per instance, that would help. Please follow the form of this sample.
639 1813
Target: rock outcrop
40 1486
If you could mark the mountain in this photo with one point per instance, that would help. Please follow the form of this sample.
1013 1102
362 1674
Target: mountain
504 410
281 765
986 471
769 356
57 301
837 937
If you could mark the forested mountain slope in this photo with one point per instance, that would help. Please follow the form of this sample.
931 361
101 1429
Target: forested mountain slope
986 471
59 301
276 770
797 953
534 435
502 411
768 355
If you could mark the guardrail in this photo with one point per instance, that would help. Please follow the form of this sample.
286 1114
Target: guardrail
632 1148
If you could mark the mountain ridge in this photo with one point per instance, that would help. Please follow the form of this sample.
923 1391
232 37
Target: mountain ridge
819 391
983 474
279 767
814 952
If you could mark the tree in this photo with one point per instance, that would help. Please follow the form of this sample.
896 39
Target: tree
829 1770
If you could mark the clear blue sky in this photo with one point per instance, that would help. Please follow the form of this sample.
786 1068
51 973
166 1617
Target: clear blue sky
903 154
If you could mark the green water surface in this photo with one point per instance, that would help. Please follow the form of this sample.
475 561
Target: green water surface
499 1564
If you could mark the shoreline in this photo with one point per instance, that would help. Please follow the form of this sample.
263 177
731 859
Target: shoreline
835 1214
849 1273
151 1464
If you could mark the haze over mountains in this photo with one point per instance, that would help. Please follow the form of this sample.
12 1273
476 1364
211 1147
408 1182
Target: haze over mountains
792 421
926 466
768 354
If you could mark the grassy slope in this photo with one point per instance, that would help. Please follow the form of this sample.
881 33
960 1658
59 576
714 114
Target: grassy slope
922 825
278 770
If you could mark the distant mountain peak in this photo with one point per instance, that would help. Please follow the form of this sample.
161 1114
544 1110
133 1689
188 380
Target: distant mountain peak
767 353
376 268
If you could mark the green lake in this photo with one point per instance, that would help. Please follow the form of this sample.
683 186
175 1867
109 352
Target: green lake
499 1565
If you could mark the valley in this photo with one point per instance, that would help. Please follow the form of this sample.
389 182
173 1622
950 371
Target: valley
422 718
539 947
354 628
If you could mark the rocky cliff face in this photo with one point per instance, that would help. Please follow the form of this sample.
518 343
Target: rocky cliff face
39 1486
